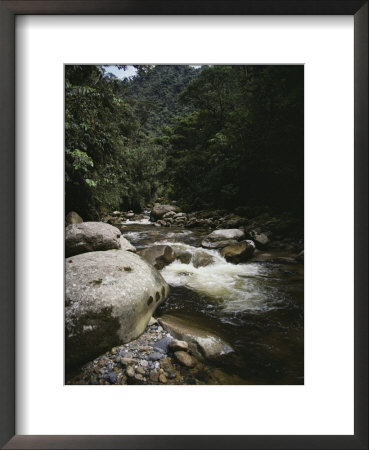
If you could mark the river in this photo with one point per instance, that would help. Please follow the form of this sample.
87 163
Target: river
257 306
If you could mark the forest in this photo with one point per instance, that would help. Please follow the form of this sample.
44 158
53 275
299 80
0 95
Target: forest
228 137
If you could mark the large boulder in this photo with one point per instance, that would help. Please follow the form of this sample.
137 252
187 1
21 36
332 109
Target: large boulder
159 211
110 297
73 217
90 237
202 344
222 238
158 255
235 253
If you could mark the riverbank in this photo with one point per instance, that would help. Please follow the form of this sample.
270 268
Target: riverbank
155 358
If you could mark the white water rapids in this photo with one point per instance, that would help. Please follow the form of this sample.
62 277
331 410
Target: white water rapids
237 287
234 284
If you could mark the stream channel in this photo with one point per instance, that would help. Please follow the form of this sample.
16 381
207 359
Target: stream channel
256 306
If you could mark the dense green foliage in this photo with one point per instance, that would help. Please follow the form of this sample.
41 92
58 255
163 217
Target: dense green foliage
243 144
155 93
219 136
108 164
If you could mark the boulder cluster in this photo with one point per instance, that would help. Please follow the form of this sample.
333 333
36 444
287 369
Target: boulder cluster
111 292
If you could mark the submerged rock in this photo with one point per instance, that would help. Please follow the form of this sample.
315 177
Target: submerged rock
201 343
90 237
222 238
235 253
184 359
158 255
110 297
73 217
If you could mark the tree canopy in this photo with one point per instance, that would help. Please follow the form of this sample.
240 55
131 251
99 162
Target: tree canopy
222 136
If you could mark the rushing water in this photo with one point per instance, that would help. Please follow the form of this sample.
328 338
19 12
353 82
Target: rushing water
257 307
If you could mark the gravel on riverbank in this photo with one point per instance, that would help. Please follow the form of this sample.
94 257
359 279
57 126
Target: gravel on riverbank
150 360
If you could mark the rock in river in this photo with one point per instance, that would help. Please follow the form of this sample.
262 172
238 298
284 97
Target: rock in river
159 211
109 299
90 237
201 342
184 359
222 238
239 252
158 255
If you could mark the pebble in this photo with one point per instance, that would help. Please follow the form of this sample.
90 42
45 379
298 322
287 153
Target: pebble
155 356
144 363
163 378
154 376
171 375
130 371
111 377
140 370
176 345
127 361
163 344
160 329
139 377
184 359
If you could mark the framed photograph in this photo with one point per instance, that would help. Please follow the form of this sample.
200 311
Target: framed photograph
184 224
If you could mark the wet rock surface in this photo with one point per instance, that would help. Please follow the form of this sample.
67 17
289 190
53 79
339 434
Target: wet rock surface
203 344
158 255
222 238
235 253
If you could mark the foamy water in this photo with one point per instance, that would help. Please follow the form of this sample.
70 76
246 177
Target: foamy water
144 221
235 285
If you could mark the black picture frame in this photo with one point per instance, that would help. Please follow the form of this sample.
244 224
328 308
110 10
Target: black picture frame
8 12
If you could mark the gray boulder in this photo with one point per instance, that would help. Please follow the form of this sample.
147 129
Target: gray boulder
158 255
110 297
159 211
222 238
235 253
73 217
89 237
201 343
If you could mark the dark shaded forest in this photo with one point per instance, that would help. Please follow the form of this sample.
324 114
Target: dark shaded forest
229 137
